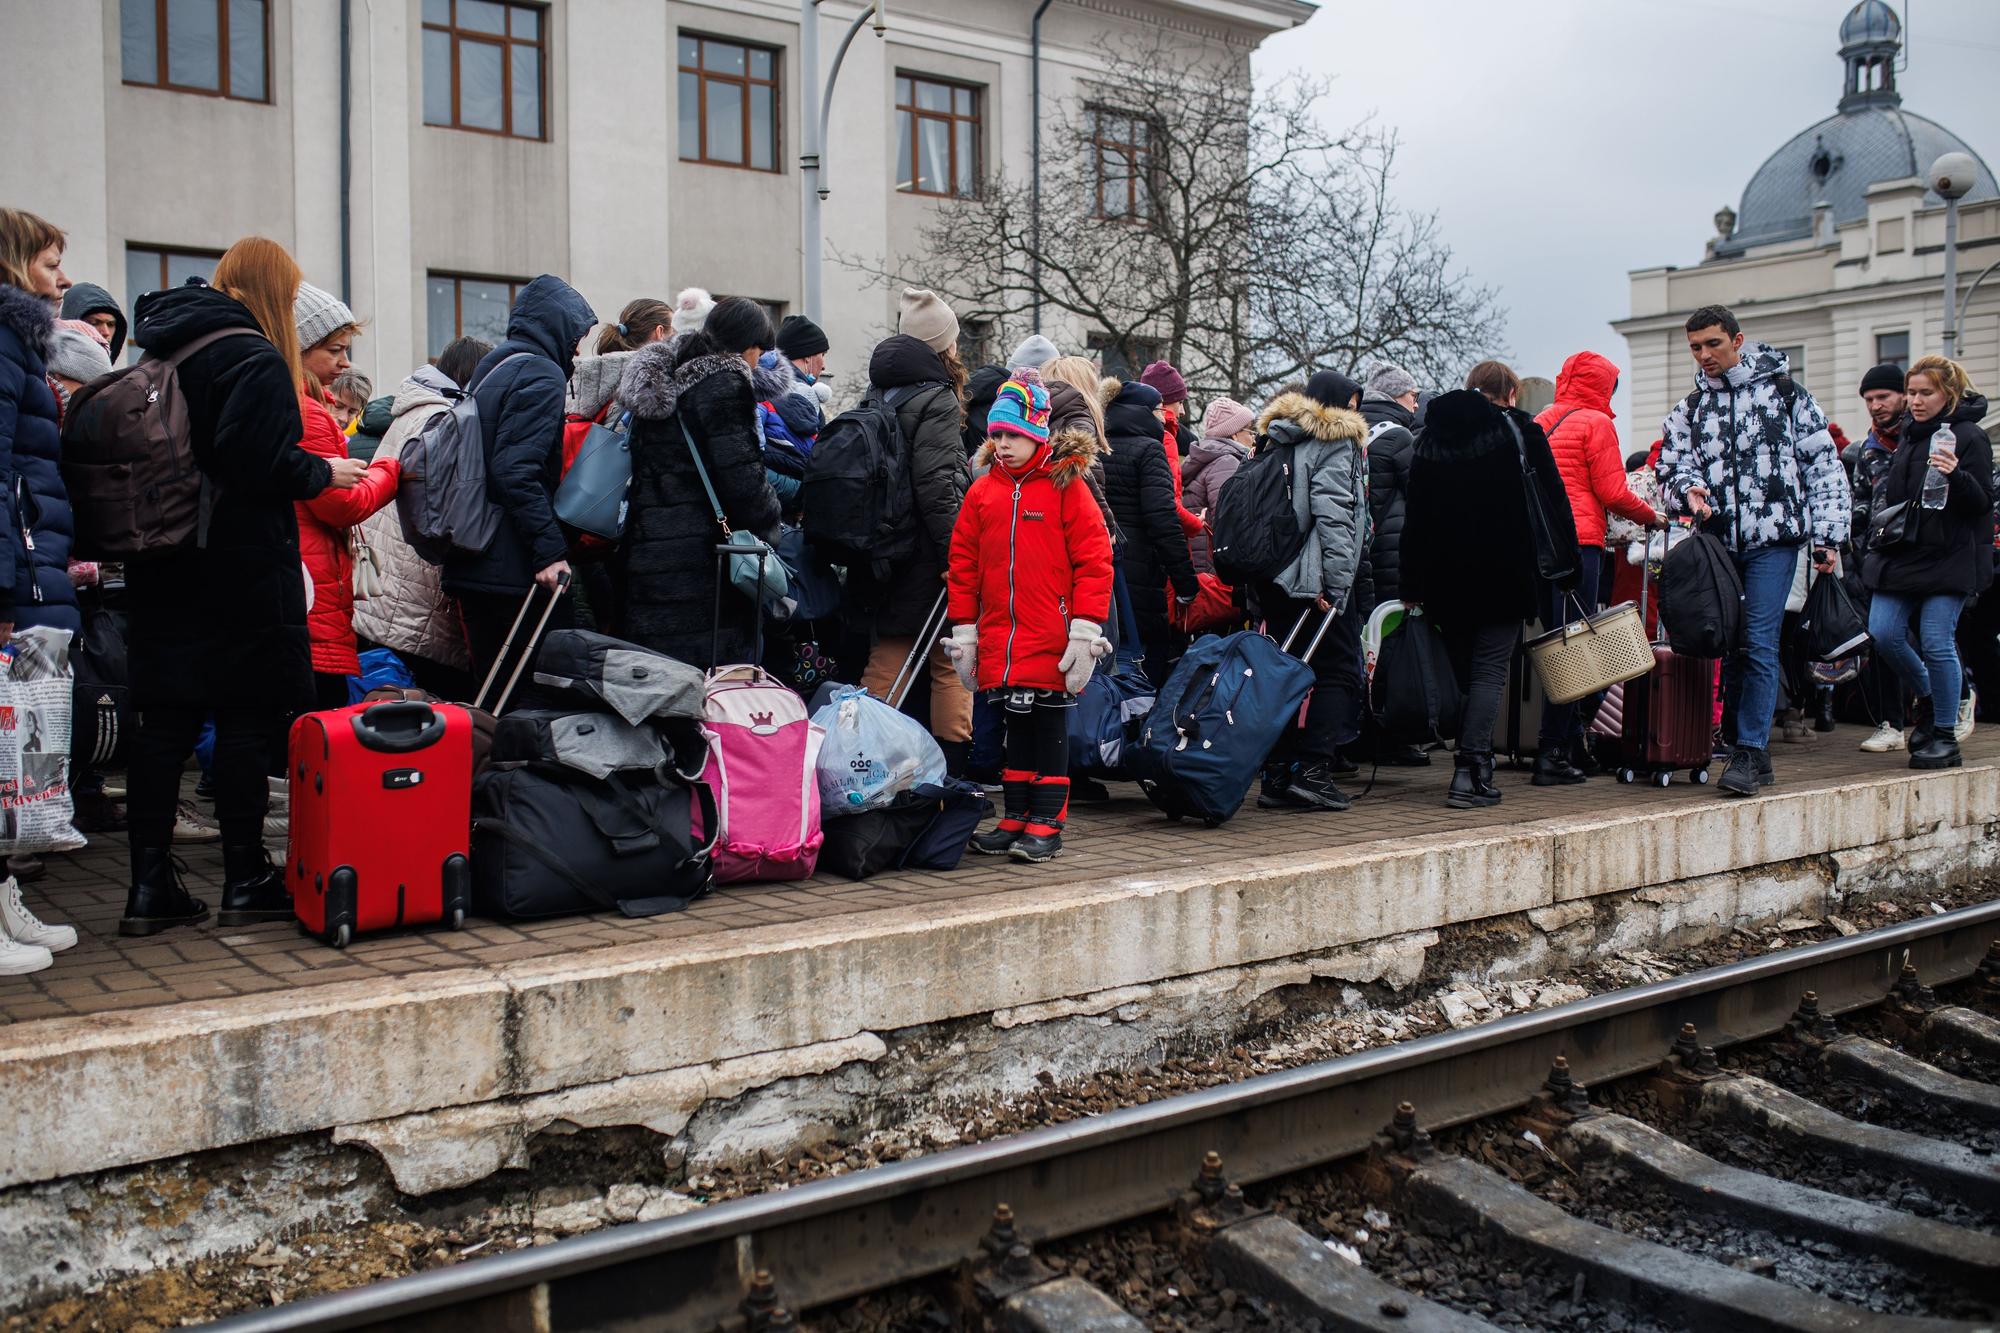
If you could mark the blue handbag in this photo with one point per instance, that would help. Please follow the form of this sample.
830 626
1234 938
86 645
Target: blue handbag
755 570
594 494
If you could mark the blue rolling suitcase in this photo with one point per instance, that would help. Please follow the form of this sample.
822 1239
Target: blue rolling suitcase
1228 702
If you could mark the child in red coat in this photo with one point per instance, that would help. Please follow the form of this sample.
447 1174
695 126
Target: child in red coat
1030 580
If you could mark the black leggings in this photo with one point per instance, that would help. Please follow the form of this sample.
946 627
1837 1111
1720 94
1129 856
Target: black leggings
1035 783
245 741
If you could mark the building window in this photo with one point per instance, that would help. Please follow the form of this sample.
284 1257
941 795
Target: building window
461 306
152 268
483 66
215 47
728 103
1113 361
937 137
1123 147
1893 349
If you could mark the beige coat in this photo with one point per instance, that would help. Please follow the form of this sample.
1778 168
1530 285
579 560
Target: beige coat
416 616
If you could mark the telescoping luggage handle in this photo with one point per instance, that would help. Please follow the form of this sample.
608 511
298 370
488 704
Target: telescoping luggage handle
906 676
1319 634
507 648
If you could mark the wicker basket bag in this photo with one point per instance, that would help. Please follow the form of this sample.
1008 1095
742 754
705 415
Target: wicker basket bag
1592 653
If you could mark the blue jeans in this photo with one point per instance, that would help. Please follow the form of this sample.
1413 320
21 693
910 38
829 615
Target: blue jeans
1750 682
1935 674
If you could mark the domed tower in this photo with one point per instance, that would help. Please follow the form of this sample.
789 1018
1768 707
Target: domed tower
1869 138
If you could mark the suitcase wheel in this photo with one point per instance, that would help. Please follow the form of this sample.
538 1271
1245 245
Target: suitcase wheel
1627 776
1700 777
342 933
456 920
1211 823
1173 818
1664 778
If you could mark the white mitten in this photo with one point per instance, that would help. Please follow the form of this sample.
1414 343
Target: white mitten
963 650
1086 644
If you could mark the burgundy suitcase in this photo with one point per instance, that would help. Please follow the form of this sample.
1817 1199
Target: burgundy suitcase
1669 717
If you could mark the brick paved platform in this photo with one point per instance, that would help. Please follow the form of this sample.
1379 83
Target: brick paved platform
267 1033
107 972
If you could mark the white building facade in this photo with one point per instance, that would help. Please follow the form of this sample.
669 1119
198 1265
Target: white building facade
634 147
1836 255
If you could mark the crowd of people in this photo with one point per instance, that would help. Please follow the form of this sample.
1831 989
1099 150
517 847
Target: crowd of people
1067 516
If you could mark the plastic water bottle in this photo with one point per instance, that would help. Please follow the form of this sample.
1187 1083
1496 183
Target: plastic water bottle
1936 484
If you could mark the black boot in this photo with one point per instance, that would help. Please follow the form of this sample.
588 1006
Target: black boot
1923 725
157 900
1469 791
1823 709
1048 808
1406 756
1942 752
253 889
1553 769
1741 778
1013 820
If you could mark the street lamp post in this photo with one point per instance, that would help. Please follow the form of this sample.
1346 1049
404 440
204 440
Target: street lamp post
818 105
1952 178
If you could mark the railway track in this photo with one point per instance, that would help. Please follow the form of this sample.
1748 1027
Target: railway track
1731 1054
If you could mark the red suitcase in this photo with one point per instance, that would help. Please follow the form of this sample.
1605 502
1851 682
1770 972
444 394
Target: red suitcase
381 820
1669 717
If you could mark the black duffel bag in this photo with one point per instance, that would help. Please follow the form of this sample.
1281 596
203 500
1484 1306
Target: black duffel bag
1415 696
925 828
1701 597
583 812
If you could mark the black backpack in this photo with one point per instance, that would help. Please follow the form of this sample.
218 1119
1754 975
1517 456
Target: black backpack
857 499
1255 532
1415 695
1701 598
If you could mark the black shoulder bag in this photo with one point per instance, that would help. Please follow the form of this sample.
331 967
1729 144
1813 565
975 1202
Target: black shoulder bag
1553 561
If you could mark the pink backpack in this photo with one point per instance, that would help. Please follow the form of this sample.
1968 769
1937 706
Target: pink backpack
762 752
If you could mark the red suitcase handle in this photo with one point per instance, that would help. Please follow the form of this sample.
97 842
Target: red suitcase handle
398 727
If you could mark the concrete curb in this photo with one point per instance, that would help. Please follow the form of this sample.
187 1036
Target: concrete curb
188 1077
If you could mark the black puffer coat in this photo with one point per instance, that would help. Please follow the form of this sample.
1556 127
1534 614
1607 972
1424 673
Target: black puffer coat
34 552
225 625
1390 440
1468 555
931 424
1139 484
1953 552
521 417
667 563
980 391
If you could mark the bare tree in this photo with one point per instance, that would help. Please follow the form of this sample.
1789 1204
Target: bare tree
1184 217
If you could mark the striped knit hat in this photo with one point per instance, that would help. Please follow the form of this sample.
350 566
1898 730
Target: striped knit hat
1021 407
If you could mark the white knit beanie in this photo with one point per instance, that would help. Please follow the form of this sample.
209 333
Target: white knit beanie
691 309
927 318
318 315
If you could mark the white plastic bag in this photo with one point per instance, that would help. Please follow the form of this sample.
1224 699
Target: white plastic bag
872 754
35 688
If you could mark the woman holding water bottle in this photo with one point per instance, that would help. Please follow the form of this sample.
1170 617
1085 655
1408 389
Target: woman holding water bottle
1930 548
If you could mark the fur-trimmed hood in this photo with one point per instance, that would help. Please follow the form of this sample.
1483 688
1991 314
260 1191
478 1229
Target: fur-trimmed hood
659 373
1312 418
773 377
594 383
1067 457
31 318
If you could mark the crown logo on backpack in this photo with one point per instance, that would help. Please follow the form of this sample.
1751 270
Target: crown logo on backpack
763 724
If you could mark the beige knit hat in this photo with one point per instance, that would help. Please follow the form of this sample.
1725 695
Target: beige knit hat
927 318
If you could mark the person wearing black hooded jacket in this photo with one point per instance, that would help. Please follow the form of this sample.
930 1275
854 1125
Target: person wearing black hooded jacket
1139 485
521 419
1391 437
1945 561
1469 551
93 305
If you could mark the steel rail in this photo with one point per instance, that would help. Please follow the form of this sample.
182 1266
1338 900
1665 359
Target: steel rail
839 1237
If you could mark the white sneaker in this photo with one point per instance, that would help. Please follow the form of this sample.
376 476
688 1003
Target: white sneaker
18 959
191 825
24 927
1968 714
1887 737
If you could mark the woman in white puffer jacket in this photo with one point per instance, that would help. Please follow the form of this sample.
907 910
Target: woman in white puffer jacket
415 618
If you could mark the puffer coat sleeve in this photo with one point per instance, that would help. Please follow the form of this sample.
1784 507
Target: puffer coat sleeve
1159 517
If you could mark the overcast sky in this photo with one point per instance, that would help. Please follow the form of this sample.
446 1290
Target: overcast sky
1566 142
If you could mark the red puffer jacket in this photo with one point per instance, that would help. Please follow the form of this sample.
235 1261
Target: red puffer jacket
1585 444
1029 554
323 524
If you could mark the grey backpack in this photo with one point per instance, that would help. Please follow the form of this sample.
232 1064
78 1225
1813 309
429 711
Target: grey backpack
442 500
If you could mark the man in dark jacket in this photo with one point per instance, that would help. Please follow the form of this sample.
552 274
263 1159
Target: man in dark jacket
93 305
521 417
1388 404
